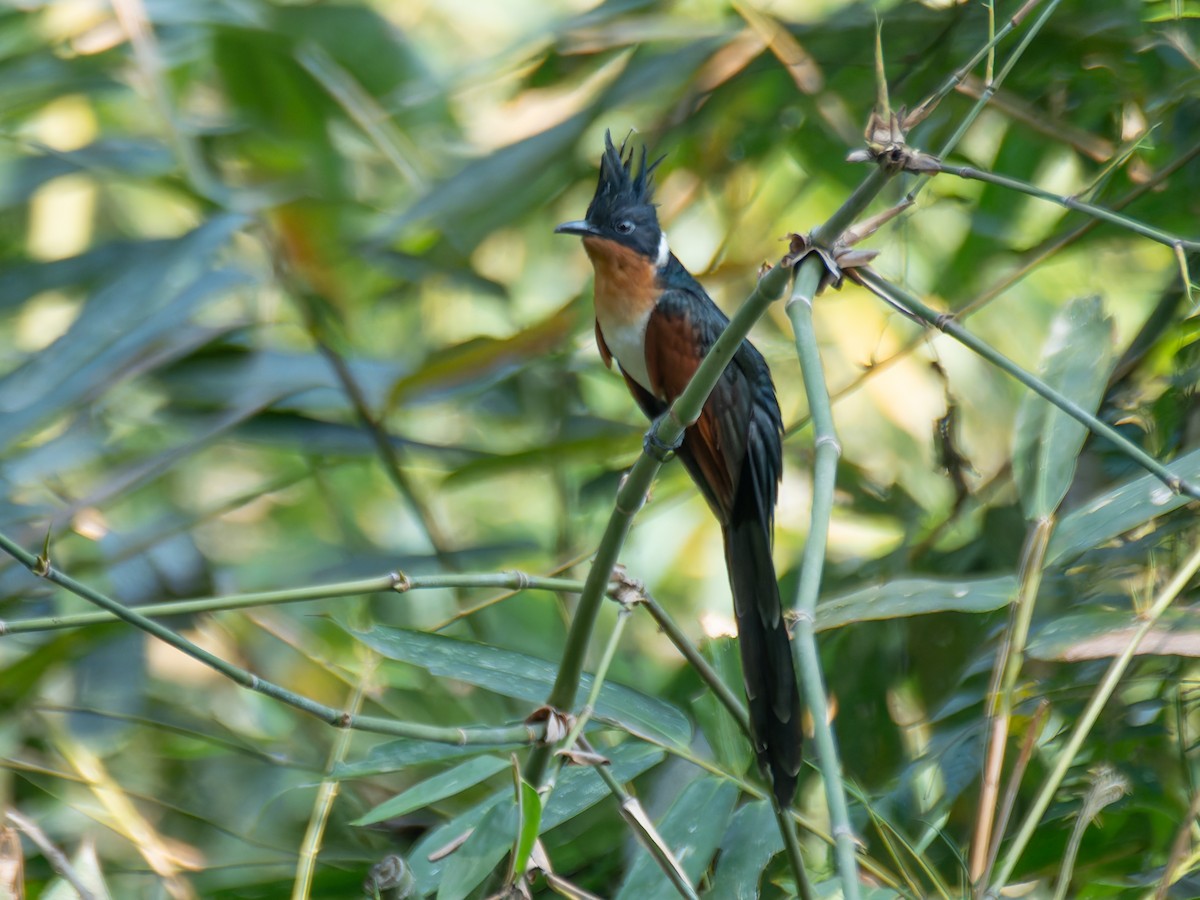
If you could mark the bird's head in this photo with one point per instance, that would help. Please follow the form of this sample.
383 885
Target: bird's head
621 211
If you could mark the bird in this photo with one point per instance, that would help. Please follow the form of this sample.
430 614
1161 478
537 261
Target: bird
657 322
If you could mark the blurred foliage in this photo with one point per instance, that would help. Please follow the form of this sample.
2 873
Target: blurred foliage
280 305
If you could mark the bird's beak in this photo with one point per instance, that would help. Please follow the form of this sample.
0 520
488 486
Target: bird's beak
582 228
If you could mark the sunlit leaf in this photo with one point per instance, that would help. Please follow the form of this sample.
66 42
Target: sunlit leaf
1076 361
1103 633
1125 508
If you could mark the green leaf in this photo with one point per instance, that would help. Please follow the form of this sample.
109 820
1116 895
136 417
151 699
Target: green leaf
1122 509
529 810
1105 633
484 360
105 159
914 597
395 756
431 790
749 844
1076 360
475 859
577 790
729 744
525 677
692 828
85 865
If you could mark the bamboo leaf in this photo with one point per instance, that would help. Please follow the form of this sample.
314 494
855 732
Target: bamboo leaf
483 850
529 810
1076 360
577 790
524 677
749 844
1105 633
730 747
913 597
445 784
1125 508
395 756
480 362
692 828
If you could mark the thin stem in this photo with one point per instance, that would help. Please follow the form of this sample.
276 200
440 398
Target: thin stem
1014 781
389 456
57 859
1008 667
944 322
1031 261
1097 212
791 846
328 790
610 651
1179 848
991 84
956 78
868 189
394 581
826 453
514 734
1108 684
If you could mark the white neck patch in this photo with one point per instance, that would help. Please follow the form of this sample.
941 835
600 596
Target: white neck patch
664 251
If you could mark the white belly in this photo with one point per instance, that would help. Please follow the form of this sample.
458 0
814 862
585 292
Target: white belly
626 341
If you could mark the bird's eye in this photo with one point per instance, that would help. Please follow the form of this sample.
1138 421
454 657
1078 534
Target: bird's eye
625 227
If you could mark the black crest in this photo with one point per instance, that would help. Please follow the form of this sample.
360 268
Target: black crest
624 196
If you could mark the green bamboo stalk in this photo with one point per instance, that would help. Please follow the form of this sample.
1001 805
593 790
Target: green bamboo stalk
826 454
394 581
513 734
945 322
1108 684
791 846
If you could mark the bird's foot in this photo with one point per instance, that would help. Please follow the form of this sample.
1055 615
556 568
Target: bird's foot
655 446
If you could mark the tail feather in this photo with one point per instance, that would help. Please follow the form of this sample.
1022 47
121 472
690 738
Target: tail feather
767 667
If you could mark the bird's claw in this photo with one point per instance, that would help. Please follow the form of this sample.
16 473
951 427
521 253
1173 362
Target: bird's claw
658 448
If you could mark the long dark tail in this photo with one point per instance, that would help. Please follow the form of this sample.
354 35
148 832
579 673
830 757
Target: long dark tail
766 653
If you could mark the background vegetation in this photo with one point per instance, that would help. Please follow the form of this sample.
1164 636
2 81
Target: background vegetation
281 310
